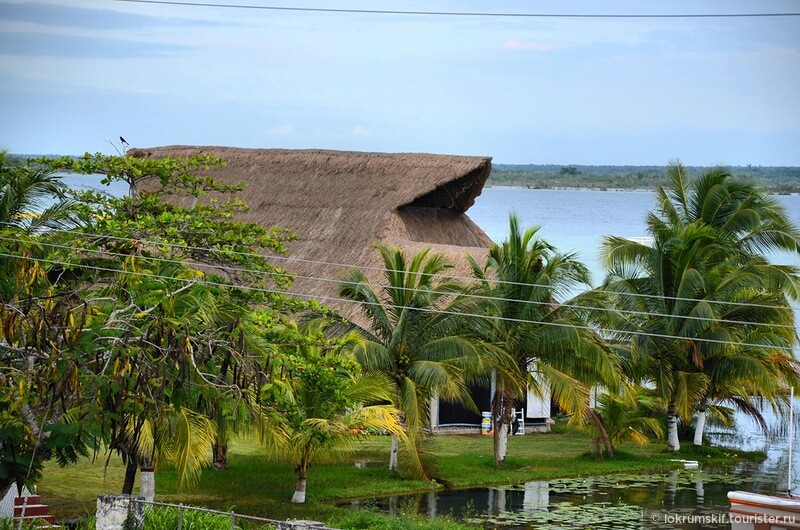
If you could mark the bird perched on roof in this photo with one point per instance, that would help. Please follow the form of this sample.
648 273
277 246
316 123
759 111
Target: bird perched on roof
122 140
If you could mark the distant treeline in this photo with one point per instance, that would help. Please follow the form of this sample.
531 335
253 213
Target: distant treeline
778 179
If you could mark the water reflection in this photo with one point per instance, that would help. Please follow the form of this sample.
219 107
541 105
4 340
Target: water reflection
747 435
617 501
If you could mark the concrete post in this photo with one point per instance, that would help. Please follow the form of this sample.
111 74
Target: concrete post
114 511
147 484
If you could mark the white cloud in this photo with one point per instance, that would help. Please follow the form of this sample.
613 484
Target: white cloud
282 130
361 132
523 45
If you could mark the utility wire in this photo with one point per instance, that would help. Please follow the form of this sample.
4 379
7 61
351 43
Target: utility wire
458 13
233 269
364 302
380 269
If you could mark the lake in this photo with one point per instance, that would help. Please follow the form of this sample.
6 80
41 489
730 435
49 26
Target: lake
577 220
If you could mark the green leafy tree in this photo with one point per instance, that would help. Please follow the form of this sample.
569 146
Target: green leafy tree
39 328
140 326
175 212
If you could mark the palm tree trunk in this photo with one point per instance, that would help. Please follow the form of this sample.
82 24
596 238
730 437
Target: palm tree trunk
701 422
393 453
502 409
673 445
130 476
220 455
299 496
602 436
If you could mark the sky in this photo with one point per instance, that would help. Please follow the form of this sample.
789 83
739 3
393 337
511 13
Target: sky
77 74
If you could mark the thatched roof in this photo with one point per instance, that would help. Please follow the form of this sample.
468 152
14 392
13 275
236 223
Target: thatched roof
339 203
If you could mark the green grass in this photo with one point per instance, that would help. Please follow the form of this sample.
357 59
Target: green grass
166 518
255 486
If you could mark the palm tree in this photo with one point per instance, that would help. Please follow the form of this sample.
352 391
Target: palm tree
410 342
680 300
751 221
328 401
758 363
539 343
30 197
625 417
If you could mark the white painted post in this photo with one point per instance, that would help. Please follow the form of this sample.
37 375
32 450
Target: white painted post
147 483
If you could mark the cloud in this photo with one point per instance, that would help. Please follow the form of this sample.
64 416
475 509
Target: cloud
361 132
50 45
523 45
282 130
79 17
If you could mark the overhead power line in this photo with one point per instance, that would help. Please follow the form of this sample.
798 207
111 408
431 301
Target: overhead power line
420 309
337 281
458 13
351 266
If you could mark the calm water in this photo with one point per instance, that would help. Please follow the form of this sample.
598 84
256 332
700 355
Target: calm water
617 501
577 221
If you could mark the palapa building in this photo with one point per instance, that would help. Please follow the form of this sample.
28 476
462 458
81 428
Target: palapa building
340 203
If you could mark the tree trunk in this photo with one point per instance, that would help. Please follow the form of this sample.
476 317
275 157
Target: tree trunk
502 444
299 496
220 455
701 422
130 476
502 409
673 445
393 453
602 436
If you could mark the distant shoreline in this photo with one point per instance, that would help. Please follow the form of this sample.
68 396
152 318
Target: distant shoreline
599 189
564 188
779 180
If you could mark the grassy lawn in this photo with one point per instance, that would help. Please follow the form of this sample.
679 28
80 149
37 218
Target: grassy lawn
252 485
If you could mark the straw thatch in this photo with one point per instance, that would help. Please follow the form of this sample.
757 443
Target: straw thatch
339 203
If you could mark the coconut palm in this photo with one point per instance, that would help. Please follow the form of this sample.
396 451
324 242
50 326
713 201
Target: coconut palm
410 342
30 197
327 400
682 314
624 417
758 362
540 344
751 221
